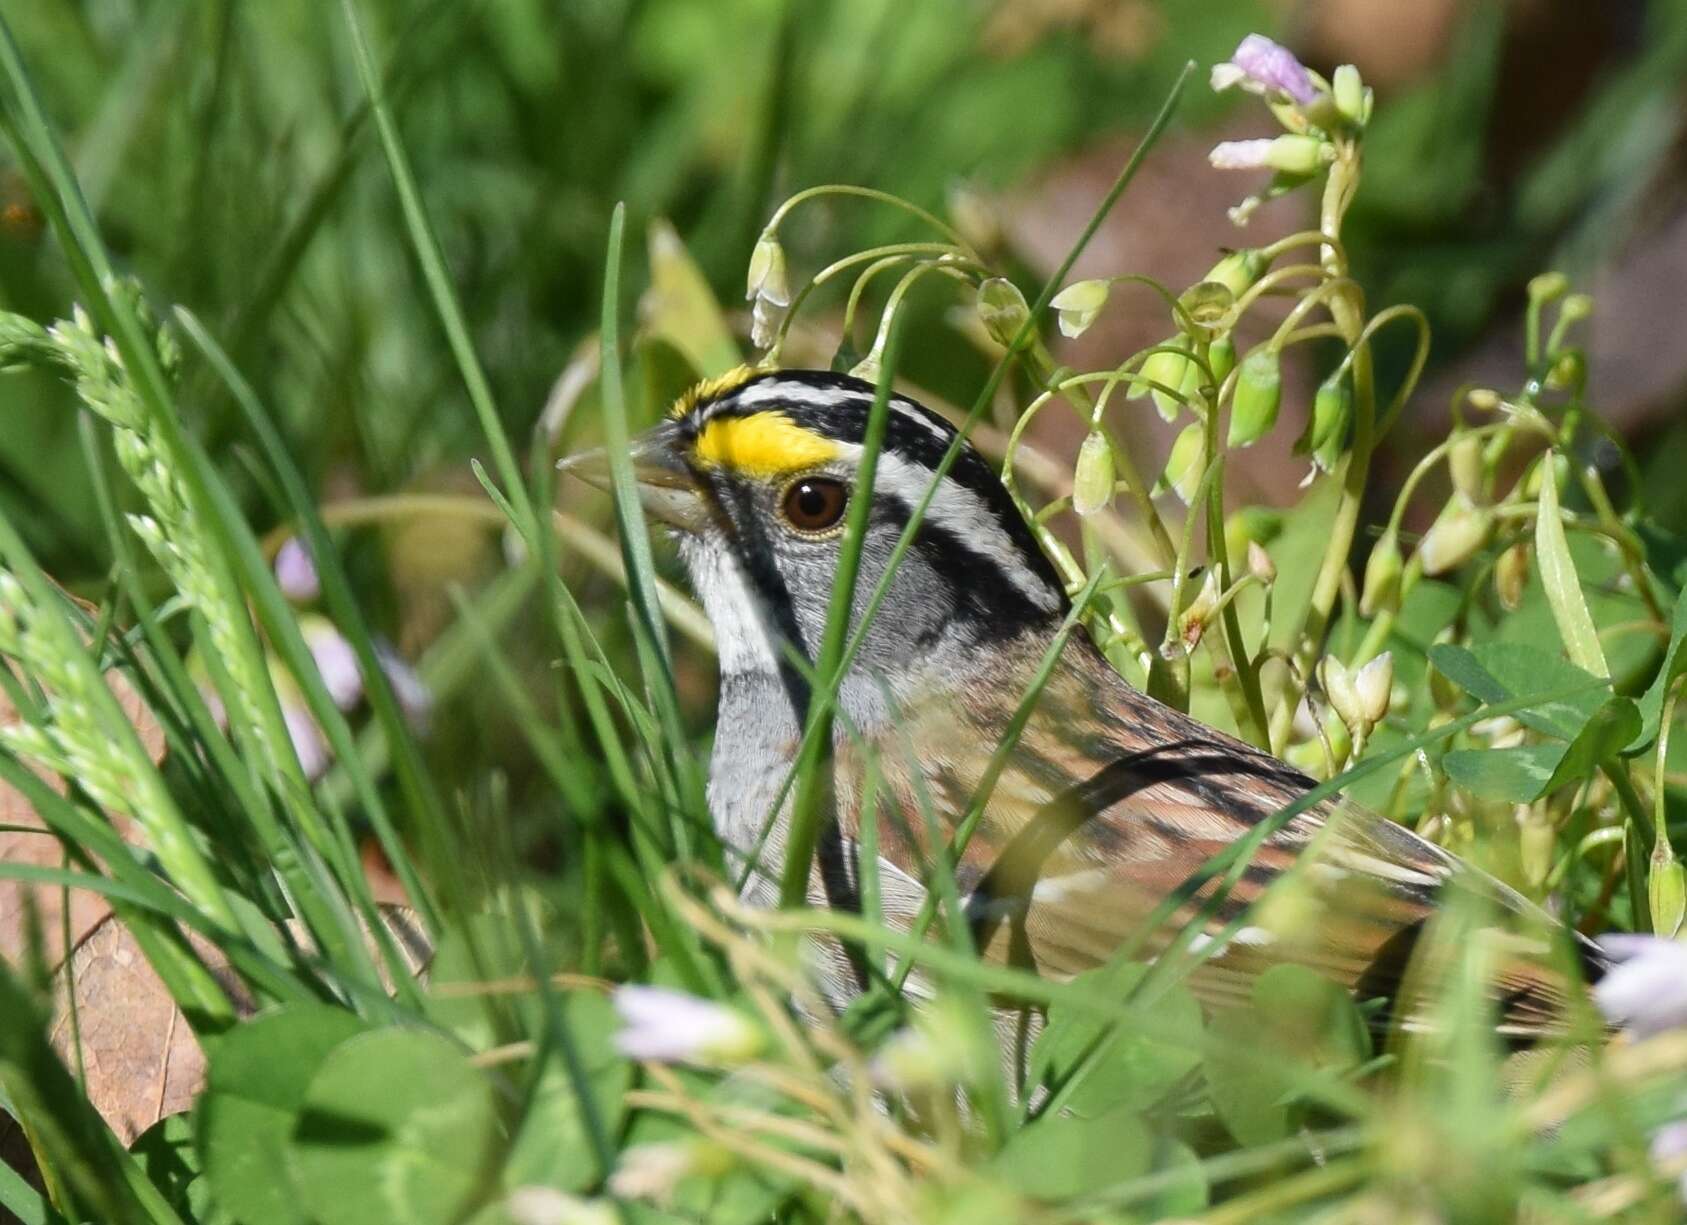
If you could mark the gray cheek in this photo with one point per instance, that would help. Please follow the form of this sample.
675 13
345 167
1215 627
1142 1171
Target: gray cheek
910 619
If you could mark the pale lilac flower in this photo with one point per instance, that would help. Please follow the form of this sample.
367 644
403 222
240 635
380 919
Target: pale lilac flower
670 1026
307 739
1645 991
1669 1146
335 660
295 572
1259 65
1292 154
415 699
1240 154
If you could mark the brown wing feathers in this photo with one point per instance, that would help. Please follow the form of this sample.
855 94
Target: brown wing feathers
1112 802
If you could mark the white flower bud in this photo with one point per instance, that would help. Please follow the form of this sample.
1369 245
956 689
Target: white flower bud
1079 304
766 279
1339 688
1373 685
1465 466
1453 539
666 1026
654 1171
1002 309
765 317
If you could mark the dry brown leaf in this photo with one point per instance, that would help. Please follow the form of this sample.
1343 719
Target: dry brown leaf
42 849
139 1058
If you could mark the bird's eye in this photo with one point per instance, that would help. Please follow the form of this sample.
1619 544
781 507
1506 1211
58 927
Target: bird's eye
814 503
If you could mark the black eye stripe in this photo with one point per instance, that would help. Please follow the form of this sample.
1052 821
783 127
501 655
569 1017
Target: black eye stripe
987 597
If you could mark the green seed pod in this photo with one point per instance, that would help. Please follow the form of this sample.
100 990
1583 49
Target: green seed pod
1257 396
1168 368
1666 891
1299 155
1382 577
1454 538
1349 92
1465 467
1325 437
1221 356
1186 463
1238 270
1002 309
1511 574
1092 480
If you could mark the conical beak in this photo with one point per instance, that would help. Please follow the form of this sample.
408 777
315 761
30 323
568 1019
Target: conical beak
667 488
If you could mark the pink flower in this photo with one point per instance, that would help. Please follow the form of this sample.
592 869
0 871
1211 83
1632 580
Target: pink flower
1260 66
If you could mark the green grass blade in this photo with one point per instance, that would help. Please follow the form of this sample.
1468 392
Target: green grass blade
428 809
812 763
635 549
432 259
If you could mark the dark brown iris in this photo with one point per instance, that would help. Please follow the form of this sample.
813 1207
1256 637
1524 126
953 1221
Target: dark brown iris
814 503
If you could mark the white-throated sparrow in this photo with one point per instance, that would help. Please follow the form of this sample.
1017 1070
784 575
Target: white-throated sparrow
1110 801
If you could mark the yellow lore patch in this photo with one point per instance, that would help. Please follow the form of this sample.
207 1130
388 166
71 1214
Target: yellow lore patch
762 444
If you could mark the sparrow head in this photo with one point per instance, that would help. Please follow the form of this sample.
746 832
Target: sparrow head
757 471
